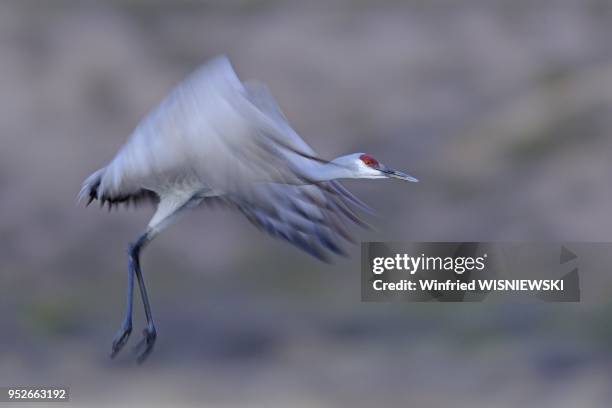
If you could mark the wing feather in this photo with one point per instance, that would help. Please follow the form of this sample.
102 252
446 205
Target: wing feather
207 129
317 227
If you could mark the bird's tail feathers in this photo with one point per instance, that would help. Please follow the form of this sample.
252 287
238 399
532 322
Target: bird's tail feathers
89 189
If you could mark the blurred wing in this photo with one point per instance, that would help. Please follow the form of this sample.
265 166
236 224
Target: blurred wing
311 217
259 94
207 130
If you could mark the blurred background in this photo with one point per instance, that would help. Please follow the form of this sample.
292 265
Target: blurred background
500 108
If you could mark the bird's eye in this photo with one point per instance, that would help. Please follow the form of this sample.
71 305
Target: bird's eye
369 161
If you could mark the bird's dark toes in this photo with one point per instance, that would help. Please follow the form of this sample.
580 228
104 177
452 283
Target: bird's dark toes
145 345
120 339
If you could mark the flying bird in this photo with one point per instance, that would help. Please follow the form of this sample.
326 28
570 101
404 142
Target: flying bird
215 138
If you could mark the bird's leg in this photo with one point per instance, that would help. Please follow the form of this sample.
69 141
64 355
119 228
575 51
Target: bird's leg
145 346
167 211
126 328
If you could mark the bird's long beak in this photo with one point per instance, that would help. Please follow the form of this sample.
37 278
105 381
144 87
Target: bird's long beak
397 174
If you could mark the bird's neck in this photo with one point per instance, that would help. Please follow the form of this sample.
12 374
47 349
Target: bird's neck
319 172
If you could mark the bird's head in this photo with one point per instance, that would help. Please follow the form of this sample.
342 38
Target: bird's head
362 165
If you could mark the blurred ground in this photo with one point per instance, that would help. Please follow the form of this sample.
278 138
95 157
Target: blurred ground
501 108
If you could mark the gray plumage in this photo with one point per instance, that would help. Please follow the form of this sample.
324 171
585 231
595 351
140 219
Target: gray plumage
215 138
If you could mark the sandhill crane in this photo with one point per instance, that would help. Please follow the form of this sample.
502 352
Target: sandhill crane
217 138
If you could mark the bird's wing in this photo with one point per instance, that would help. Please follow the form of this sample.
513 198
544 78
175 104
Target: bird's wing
260 96
207 130
314 218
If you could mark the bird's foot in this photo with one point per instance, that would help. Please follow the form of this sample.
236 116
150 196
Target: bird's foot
121 338
145 346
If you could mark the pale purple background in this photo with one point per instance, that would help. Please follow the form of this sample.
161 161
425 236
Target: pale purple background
501 108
